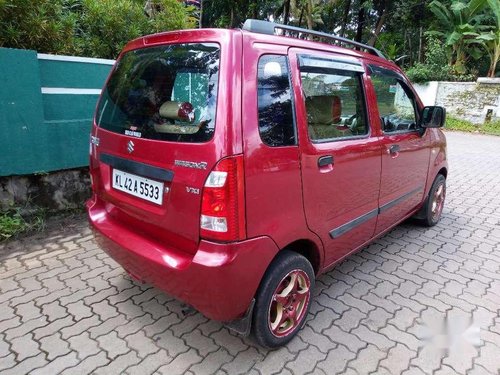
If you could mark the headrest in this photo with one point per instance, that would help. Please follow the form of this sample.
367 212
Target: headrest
323 109
177 111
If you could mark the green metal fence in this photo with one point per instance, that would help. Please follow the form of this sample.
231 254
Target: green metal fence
46 108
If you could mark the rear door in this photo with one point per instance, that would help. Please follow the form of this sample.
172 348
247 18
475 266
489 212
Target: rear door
405 147
340 155
155 140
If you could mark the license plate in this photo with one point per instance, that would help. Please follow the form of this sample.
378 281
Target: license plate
138 186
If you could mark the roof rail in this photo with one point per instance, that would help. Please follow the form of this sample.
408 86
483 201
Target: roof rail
265 27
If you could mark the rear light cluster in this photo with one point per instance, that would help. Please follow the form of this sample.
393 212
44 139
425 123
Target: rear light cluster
223 202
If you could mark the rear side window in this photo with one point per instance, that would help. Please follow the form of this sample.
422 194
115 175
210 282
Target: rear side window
334 98
276 122
165 93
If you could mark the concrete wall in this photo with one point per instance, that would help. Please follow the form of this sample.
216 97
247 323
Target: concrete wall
54 191
466 100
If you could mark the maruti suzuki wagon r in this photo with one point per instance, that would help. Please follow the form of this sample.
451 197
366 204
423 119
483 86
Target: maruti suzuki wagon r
231 167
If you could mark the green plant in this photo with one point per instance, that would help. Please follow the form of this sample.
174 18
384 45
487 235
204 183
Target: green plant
96 28
14 222
458 26
43 25
492 128
490 40
435 67
11 224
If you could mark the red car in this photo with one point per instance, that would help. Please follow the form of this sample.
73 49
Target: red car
231 167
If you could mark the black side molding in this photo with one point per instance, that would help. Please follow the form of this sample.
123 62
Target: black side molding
396 201
339 231
135 167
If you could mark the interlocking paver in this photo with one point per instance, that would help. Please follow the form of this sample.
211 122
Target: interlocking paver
180 364
88 365
212 362
113 345
243 362
66 307
367 360
119 364
306 361
398 359
141 344
24 347
54 346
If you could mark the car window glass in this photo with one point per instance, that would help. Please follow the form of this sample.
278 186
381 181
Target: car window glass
166 93
276 122
395 102
334 103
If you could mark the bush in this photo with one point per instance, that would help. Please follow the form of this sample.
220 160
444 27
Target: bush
106 25
96 28
45 27
424 73
435 67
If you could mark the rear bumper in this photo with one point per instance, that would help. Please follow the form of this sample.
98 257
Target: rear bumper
220 280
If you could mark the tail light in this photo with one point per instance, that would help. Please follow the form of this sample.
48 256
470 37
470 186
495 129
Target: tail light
223 202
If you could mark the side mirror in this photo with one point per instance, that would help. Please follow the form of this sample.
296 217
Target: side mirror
433 117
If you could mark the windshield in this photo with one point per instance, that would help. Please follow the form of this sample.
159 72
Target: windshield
164 93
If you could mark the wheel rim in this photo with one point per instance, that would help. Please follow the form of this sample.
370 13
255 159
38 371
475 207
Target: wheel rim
438 202
289 303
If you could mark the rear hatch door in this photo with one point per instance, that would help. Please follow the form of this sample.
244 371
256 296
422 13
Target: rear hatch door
155 126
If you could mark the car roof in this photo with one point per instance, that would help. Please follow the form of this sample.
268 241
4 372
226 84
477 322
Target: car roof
216 35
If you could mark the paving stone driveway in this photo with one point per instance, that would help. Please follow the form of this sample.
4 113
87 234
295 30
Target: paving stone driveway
65 307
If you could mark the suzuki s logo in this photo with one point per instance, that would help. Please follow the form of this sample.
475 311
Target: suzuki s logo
130 147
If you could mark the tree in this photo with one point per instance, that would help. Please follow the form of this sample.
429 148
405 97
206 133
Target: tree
490 40
97 28
45 27
458 25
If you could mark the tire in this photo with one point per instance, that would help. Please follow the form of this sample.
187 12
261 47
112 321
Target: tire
283 299
433 206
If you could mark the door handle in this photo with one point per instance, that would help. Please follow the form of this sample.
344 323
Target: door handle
394 150
323 161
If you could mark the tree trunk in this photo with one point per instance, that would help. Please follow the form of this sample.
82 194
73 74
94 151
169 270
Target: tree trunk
286 12
301 15
493 64
420 45
347 8
200 22
309 14
361 22
378 28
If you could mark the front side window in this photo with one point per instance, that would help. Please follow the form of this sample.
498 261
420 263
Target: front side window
276 122
165 93
395 102
334 99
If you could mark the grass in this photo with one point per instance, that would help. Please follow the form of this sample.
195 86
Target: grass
13 223
491 128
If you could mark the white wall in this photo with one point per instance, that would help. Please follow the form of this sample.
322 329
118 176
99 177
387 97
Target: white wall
467 100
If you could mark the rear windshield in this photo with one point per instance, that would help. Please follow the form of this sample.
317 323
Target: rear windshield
165 93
